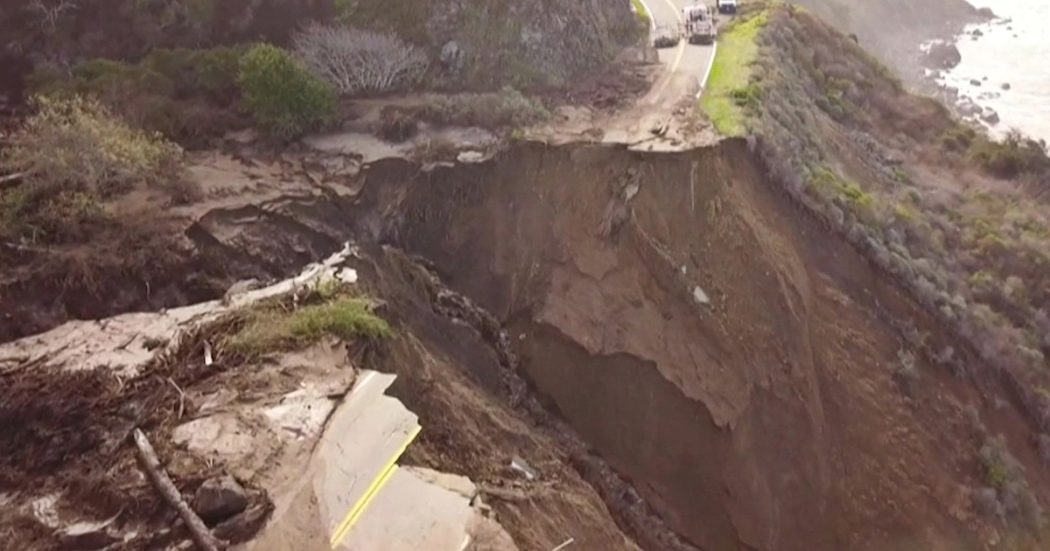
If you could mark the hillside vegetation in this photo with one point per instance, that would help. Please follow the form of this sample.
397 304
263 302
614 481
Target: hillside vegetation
957 218
472 44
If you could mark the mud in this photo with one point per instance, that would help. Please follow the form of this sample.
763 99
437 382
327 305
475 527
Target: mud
687 358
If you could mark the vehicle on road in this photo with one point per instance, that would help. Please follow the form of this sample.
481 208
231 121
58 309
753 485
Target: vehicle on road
700 25
666 36
726 6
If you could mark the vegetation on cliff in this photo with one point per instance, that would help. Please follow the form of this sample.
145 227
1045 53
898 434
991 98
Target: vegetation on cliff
956 217
729 91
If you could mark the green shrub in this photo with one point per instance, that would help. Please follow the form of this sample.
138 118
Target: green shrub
270 328
285 99
1011 157
217 70
74 154
181 93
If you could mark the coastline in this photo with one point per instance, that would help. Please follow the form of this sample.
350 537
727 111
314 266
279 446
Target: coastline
991 72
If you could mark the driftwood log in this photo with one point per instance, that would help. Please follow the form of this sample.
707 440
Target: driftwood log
198 531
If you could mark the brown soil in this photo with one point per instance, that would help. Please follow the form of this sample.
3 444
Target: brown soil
777 403
688 359
66 432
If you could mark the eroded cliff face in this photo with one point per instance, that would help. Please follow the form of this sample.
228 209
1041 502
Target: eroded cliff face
714 344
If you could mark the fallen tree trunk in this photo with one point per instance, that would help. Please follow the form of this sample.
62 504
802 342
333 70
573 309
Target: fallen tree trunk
198 531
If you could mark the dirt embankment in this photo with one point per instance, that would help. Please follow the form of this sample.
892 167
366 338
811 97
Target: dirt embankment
745 372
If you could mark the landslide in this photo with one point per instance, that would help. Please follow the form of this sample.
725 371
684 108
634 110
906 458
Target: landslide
755 379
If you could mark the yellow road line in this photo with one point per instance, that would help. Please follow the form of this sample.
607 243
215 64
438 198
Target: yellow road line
370 493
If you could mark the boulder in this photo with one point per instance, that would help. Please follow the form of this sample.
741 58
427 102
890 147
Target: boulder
219 498
1005 86
452 56
990 116
967 108
943 55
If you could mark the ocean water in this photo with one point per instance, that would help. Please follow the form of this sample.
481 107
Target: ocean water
1016 52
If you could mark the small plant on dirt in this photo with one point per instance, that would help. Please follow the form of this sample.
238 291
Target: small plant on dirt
285 99
74 154
1006 477
907 374
397 125
360 62
506 108
332 312
434 151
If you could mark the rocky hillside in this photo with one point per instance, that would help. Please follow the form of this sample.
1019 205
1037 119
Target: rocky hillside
474 43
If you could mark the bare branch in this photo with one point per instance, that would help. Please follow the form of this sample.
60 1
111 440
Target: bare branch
51 12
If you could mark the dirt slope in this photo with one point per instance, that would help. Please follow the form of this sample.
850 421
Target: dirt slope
737 365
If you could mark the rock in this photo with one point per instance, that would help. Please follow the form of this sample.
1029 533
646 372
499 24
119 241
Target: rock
1005 86
968 108
219 498
943 55
990 116
700 296
520 465
470 156
975 82
977 33
452 56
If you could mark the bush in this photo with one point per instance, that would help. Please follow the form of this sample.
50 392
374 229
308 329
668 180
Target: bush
283 97
271 328
357 61
396 124
181 93
508 107
75 153
1011 157
1006 475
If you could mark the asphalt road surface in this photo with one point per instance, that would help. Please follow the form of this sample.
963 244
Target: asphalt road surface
686 63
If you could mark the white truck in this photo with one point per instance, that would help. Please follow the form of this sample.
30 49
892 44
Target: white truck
700 25
727 7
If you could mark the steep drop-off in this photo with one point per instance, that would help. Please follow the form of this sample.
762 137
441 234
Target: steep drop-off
741 368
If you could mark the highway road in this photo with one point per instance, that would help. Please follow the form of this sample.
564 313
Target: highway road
667 118
687 62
